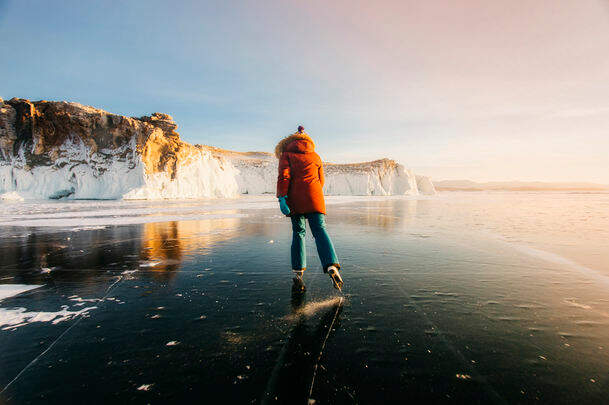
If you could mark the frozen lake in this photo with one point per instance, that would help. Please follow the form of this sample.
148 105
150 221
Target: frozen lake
459 298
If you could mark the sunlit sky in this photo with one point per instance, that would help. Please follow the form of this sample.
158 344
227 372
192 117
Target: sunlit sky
480 90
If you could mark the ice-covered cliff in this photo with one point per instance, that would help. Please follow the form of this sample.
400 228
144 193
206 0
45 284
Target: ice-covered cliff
67 150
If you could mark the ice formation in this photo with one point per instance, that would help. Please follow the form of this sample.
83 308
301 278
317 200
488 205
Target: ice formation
56 150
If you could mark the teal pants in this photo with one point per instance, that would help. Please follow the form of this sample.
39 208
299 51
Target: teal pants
325 249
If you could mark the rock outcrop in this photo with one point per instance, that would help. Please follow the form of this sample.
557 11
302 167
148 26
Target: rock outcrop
37 132
54 149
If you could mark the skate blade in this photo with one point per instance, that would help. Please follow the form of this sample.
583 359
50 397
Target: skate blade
337 281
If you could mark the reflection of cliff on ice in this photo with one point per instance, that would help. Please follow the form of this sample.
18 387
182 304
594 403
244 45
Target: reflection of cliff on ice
66 150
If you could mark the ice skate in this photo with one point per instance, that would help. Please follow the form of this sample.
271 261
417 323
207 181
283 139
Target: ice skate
337 280
298 286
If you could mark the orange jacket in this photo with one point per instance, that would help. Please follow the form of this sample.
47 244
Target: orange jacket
301 174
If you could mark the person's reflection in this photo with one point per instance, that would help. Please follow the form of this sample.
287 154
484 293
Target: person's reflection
291 379
299 299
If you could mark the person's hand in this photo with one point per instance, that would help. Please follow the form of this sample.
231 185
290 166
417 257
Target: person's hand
283 205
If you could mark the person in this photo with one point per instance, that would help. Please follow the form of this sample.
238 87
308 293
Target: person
300 192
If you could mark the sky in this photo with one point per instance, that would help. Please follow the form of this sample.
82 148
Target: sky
475 89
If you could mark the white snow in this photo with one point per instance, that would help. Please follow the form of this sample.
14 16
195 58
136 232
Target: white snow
11 318
10 290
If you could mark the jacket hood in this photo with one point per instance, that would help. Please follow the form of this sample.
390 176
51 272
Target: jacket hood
306 144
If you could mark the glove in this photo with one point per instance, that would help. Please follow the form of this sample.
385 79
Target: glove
283 205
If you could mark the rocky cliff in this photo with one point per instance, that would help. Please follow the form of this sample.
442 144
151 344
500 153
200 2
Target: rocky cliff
66 150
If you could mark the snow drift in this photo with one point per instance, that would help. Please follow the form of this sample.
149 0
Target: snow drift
52 150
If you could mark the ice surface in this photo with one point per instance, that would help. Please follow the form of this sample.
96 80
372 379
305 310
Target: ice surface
427 318
558 259
90 215
77 223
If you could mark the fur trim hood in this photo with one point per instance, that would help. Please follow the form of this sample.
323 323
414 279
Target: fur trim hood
283 144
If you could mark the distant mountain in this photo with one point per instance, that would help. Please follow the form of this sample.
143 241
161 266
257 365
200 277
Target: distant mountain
468 185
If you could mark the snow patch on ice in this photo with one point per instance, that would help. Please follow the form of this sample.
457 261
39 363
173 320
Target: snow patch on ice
10 290
81 300
12 318
149 264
